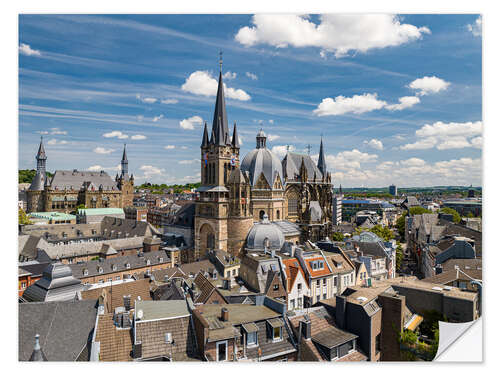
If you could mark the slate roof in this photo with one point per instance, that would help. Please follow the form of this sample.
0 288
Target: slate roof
205 288
262 161
169 316
113 296
464 264
64 327
451 275
194 267
117 264
168 292
116 344
262 230
74 180
291 166
57 284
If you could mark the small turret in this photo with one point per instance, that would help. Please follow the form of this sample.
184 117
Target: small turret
37 355
236 141
321 159
204 142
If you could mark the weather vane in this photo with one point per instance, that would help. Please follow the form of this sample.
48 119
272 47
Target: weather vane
220 60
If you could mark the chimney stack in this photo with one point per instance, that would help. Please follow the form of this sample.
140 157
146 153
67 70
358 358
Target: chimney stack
305 328
126 302
224 314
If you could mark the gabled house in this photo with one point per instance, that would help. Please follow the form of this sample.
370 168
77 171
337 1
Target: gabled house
240 332
319 339
297 285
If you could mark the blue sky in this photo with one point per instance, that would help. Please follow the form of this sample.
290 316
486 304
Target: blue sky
397 99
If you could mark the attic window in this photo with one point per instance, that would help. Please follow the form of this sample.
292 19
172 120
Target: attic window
148 262
85 272
127 265
161 260
100 269
113 267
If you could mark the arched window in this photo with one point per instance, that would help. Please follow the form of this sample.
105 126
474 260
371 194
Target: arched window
277 214
261 214
210 241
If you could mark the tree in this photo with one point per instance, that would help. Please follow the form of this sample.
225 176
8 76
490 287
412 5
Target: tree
419 211
80 207
400 224
451 211
383 232
337 236
23 218
399 256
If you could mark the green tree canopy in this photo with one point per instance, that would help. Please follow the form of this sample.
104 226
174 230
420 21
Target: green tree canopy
451 211
337 236
23 218
419 211
383 232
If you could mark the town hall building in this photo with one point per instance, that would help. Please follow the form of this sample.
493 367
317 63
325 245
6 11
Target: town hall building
67 189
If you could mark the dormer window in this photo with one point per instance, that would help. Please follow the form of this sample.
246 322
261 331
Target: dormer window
100 269
127 266
113 267
276 329
85 272
161 260
148 262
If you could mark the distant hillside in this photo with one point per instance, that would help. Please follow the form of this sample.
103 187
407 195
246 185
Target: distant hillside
26 175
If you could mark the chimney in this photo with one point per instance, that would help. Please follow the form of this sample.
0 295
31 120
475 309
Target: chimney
224 314
305 328
137 352
340 311
126 302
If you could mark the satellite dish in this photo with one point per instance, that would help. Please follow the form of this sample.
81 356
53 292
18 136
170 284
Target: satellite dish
140 314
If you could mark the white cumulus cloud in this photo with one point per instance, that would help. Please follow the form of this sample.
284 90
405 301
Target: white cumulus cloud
229 75
115 134
169 101
157 118
102 150
404 102
95 168
282 150
56 142
202 83
189 123
334 33
446 136
252 76
375 143
25 49
169 147
477 27
428 85
342 105
272 137
138 137
57 131
151 171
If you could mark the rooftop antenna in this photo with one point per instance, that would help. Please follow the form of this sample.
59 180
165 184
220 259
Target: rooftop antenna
220 61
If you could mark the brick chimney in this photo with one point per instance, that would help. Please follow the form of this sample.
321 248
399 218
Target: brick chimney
224 314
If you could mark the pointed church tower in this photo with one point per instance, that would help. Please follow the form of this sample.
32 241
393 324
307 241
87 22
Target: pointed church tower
126 183
36 195
321 159
37 355
124 162
219 157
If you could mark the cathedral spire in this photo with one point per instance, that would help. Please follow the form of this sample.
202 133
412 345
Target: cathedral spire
219 124
321 159
124 162
41 157
204 142
236 140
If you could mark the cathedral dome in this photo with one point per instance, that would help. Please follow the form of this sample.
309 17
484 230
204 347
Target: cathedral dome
265 234
262 160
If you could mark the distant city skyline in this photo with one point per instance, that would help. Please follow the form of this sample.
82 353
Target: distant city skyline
399 102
